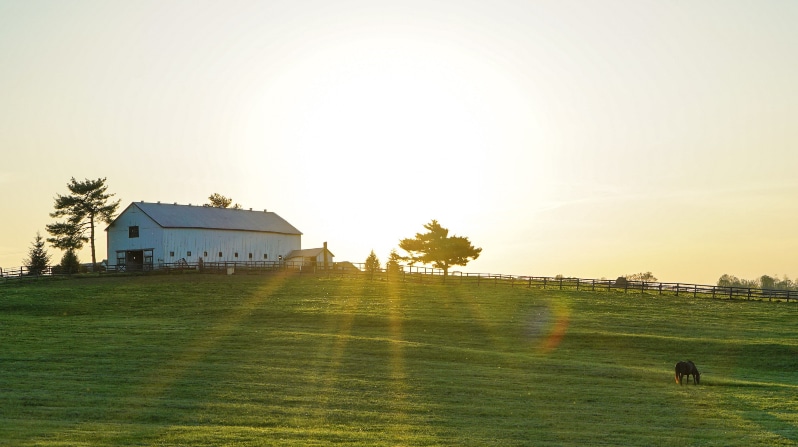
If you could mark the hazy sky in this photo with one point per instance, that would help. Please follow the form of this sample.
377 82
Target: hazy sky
591 138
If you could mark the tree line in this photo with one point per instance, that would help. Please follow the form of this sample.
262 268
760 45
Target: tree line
763 282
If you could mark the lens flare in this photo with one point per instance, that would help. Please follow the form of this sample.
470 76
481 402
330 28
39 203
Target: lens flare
547 325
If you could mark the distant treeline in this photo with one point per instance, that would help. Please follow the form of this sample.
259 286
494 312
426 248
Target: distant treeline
763 282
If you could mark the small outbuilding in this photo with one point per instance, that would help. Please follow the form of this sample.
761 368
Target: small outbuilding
147 236
311 257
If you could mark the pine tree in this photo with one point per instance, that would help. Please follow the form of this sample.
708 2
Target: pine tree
38 259
392 266
86 205
70 263
372 264
436 247
217 200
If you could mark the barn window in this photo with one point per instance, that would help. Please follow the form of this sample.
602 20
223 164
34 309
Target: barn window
235 255
205 254
172 254
220 254
133 231
250 256
265 256
188 253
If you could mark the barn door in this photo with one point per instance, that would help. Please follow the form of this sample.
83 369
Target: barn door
134 260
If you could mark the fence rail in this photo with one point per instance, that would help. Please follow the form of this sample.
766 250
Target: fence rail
676 289
411 273
24 272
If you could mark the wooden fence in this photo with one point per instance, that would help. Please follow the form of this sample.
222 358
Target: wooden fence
676 289
420 274
23 272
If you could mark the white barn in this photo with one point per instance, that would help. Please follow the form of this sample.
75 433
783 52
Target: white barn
149 235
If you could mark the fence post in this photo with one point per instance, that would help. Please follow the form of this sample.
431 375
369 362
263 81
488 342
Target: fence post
695 290
544 281
577 284
677 289
660 288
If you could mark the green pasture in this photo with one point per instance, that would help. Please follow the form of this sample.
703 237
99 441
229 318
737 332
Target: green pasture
208 360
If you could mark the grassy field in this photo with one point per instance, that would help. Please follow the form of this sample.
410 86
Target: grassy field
286 361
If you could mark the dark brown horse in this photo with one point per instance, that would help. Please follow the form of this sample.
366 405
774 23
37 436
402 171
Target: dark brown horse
687 369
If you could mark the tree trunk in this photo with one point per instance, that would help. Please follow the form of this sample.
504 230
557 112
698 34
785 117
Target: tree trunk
91 233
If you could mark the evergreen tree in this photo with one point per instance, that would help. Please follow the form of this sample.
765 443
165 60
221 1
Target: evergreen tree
86 204
217 200
372 264
38 259
392 266
70 263
436 247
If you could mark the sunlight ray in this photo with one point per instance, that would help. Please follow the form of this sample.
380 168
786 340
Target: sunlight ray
397 368
164 378
340 327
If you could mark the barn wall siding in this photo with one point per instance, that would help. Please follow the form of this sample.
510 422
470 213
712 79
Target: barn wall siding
228 242
320 258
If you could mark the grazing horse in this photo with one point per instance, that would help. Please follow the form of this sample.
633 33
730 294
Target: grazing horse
687 368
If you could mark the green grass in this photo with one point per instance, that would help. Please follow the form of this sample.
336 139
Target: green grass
286 361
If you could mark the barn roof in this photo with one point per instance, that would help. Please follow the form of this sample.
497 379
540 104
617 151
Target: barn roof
307 253
190 216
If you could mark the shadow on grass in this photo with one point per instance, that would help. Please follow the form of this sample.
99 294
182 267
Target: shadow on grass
770 417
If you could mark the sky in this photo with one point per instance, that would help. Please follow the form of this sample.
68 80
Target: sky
588 139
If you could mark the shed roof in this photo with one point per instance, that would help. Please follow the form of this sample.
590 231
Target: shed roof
189 216
307 253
